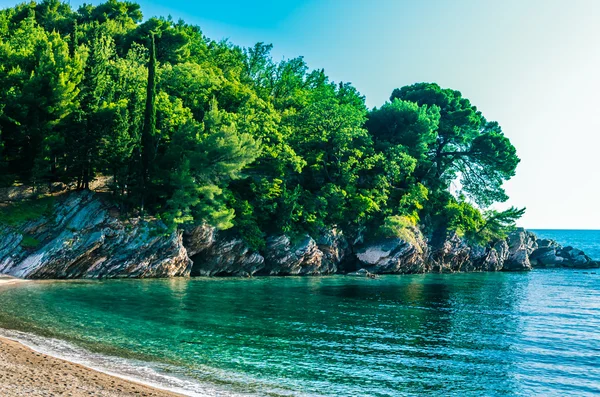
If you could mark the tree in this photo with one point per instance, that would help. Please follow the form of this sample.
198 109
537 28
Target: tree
194 130
406 124
467 146
202 165
149 130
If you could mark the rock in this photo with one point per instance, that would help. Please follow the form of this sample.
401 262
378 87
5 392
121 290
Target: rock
198 239
302 257
545 256
544 243
490 259
520 244
452 255
82 240
570 252
335 249
359 273
394 255
225 256
455 254
84 237
572 257
553 255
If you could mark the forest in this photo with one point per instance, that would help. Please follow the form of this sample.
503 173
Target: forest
192 130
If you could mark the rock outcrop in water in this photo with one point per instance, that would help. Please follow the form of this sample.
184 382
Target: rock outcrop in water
225 254
521 251
394 255
85 238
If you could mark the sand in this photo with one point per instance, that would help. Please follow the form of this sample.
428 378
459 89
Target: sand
24 372
7 280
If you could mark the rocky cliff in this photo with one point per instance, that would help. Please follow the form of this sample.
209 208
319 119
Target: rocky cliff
84 237
81 238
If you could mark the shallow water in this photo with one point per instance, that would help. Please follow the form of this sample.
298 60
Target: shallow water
476 334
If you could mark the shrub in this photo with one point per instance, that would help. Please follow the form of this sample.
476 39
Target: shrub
29 242
25 211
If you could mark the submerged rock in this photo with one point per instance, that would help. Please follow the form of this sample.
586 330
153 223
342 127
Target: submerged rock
362 273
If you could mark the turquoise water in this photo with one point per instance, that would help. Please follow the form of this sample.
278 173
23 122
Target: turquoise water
585 240
525 334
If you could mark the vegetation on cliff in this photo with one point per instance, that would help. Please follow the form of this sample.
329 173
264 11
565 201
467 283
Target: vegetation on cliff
194 130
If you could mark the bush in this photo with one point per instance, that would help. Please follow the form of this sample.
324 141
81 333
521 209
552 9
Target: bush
25 211
400 226
29 242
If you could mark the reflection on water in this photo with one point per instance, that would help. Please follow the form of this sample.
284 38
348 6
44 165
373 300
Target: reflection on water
475 334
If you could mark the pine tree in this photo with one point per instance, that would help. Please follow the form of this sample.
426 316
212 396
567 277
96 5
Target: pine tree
149 130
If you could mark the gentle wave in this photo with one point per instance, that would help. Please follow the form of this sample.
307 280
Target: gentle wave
150 374
519 334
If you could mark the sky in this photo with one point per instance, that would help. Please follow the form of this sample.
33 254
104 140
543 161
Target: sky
531 65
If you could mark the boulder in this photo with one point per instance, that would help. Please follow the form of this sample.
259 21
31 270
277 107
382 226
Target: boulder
575 258
520 244
198 239
299 257
544 243
335 249
452 255
360 273
226 256
394 255
545 257
551 254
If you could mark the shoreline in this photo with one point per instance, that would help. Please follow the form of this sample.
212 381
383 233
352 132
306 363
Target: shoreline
9 280
27 372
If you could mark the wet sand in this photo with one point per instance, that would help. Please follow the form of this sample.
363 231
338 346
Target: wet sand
7 280
24 372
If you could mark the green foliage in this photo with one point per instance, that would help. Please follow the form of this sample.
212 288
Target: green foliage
246 223
402 227
467 146
498 224
16 214
193 130
405 123
463 218
29 242
480 227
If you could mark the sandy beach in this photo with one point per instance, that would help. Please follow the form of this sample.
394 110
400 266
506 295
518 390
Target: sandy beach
24 372
8 280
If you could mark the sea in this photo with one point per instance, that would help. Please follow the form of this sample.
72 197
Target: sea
470 334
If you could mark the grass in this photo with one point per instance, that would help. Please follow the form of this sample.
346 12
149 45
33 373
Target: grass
25 211
29 242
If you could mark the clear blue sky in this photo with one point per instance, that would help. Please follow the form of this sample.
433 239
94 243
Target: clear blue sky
532 65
